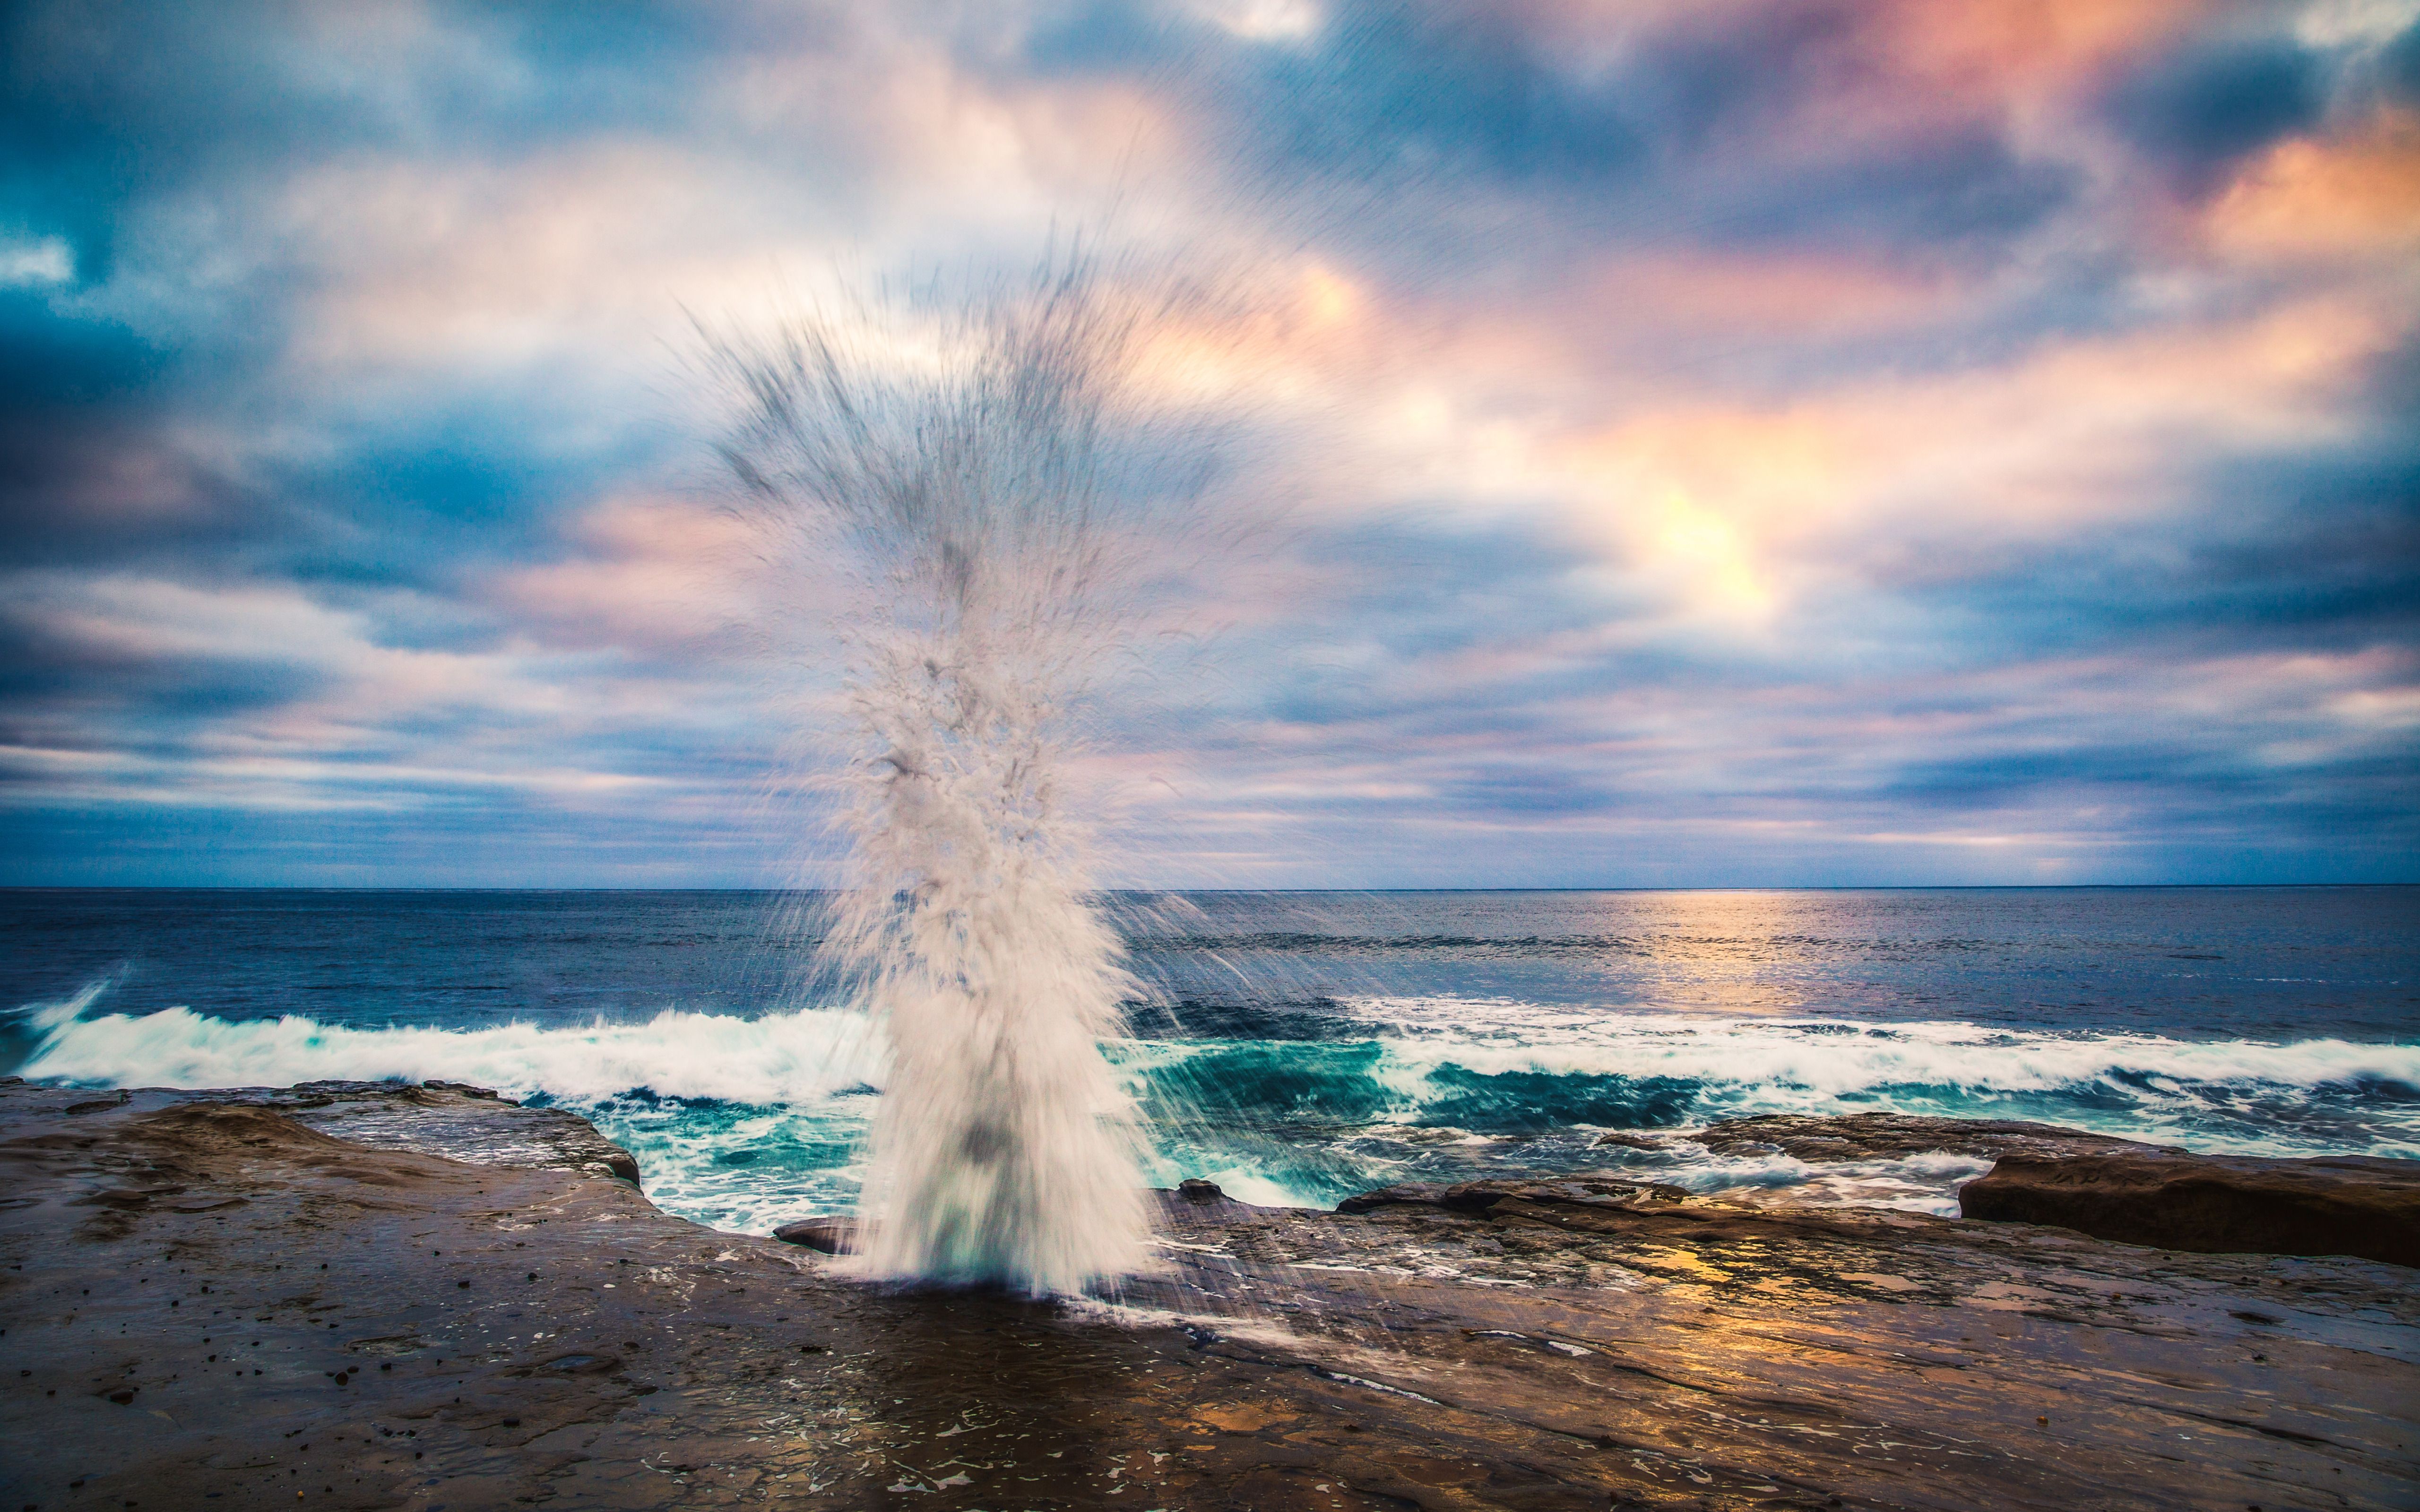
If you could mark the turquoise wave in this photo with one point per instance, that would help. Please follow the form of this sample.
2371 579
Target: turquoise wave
747 1122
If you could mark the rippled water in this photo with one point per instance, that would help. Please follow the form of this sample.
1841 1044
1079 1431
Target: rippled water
1297 1046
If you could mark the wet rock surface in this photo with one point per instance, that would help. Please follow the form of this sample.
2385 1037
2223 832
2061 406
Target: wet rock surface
1860 1137
1579 1191
475 1125
209 1302
2215 1203
449 1118
826 1235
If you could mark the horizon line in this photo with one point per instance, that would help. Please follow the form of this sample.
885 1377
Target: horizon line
1744 887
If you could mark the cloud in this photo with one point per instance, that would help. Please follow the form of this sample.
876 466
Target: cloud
668 577
2355 198
1766 439
2205 108
36 264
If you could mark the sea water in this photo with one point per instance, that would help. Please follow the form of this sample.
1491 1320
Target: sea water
1294 1047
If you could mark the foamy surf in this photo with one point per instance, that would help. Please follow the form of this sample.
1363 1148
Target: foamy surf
781 1059
746 1122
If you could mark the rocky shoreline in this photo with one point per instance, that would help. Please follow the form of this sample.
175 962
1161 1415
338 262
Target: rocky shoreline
350 1295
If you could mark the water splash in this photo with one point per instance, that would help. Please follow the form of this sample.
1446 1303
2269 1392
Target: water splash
984 491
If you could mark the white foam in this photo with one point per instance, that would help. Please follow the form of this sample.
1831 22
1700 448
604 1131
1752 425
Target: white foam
796 1076
796 1057
1829 1059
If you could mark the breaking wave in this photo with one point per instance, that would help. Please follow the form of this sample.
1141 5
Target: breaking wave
783 1057
747 1122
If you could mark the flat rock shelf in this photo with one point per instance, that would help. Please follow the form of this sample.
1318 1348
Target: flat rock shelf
411 1298
2218 1204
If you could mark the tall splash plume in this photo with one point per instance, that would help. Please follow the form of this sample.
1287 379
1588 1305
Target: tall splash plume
989 487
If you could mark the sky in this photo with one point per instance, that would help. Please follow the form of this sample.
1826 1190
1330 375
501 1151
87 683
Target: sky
1716 442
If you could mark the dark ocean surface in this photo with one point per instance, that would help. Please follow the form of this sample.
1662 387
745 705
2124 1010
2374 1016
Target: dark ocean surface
1295 1046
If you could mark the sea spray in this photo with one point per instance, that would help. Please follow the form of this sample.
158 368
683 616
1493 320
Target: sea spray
984 491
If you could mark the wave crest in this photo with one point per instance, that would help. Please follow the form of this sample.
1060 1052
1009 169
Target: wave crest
778 1058
744 1122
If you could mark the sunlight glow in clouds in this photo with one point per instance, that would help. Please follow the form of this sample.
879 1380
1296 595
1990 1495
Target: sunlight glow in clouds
1710 548
1773 440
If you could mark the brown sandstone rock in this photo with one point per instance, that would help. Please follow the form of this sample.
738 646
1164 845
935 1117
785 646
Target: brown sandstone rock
2212 1204
826 1235
1894 1135
187 1302
1478 1196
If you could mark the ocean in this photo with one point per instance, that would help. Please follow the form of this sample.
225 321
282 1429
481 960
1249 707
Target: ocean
1295 1047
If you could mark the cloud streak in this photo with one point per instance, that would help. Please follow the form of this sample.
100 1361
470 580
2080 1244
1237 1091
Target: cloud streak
1777 440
